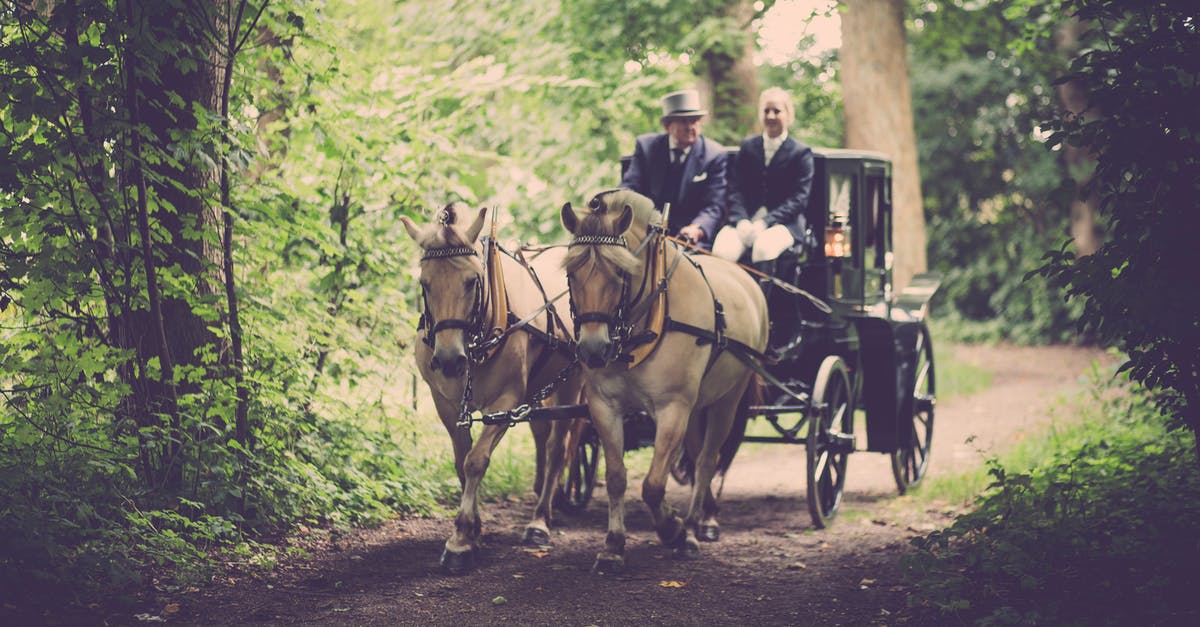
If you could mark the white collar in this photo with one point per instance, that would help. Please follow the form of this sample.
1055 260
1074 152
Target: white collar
671 144
775 141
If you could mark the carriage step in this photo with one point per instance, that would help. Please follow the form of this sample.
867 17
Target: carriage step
841 442
925 402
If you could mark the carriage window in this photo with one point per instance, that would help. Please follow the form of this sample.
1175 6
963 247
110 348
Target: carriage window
837 228
873 225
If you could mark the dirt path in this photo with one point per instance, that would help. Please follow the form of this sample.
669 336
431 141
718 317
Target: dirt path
769 568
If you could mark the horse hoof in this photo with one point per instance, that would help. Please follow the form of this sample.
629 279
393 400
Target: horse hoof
457 563
688 550
708 533
535 537
672 532
608 566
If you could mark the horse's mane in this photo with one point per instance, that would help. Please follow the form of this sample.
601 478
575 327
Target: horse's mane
598 218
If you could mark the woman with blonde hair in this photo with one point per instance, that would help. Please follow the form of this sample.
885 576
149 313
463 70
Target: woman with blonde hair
770 186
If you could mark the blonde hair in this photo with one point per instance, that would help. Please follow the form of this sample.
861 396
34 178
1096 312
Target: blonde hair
780 95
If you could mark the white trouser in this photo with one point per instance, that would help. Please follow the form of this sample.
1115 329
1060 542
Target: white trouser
768 244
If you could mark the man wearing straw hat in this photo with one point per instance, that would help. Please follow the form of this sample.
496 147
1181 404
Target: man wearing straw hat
683 168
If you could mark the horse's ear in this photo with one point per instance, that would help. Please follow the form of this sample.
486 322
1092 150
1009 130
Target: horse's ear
569 219
476 226
410 226
625 220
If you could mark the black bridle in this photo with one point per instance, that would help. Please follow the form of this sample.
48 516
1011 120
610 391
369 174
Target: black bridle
474 325
620 322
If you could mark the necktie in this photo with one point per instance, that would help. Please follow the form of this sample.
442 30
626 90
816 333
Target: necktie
674 175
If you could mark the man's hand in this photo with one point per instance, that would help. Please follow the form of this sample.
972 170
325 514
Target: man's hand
692 233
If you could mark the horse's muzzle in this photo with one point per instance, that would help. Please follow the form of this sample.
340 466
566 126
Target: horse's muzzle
596 350
452 363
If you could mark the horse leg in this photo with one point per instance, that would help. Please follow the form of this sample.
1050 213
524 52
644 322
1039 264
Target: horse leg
537 532
460 437
461 547
611 429
717 424
541 432
709 530
671 425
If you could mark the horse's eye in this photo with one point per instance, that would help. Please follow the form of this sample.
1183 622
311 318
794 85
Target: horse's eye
470 284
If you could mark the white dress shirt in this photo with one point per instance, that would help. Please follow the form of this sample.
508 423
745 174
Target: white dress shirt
771 146
686 151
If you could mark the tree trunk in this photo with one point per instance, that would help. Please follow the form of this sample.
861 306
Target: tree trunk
878 105
731 82
1081 163
165 87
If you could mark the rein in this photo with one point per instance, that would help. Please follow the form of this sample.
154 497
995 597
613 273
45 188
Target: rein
776 281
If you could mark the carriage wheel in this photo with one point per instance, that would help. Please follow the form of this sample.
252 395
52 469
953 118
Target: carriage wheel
911 458
581 472
830 440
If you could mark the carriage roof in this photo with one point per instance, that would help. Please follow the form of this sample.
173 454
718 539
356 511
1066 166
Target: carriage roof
851 154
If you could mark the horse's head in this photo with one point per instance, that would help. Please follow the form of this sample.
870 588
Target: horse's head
600 269
452 278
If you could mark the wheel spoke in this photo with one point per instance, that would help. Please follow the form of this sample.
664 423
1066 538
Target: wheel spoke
921 376
822 462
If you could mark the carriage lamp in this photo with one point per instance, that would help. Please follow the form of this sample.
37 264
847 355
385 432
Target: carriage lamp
837 241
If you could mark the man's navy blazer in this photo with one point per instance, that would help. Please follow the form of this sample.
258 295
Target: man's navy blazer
783 186
701 197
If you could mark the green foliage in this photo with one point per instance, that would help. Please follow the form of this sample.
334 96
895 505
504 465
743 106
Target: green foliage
1140 123
1101 532
995 198
342 118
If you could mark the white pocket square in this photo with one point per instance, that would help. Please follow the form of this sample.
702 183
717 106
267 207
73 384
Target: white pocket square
700 177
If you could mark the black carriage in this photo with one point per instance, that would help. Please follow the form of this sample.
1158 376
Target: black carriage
847 341
841 340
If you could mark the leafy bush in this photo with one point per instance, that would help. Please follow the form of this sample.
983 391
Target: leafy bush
1103 532
1138 288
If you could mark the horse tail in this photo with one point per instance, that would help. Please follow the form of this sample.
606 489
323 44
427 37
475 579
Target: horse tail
741 417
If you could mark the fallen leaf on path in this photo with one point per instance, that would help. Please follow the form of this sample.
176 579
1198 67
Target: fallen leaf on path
672 584
866 582
499 601
518 576
797 566
171 608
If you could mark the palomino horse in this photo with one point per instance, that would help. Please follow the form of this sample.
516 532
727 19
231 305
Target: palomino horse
472 357
657 333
